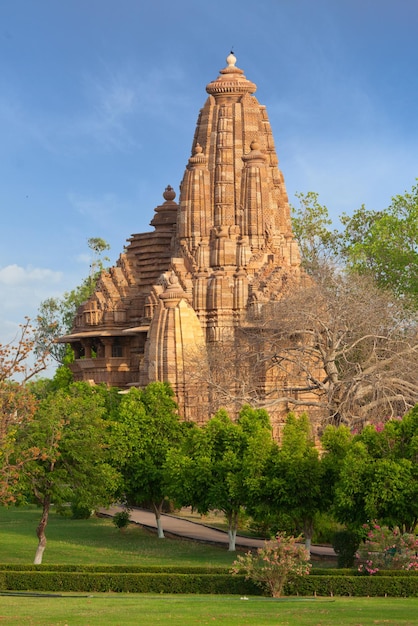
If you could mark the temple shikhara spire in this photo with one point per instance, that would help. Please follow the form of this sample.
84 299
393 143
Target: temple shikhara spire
213 260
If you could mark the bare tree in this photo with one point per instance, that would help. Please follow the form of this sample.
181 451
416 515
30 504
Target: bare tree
19 358
17 405
231 372
345 348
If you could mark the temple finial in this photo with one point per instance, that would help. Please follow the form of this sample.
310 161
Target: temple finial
169 194
231 59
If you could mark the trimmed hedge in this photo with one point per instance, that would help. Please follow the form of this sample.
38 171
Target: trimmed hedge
199 580
320 585
127 583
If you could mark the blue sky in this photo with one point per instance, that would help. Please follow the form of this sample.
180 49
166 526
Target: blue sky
99 101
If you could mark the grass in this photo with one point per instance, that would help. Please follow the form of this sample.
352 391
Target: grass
132 609
96 541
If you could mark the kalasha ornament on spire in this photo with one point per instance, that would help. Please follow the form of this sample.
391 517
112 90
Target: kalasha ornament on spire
169 194
231 59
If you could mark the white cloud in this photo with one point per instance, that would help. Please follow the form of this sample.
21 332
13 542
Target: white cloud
15 275
22 289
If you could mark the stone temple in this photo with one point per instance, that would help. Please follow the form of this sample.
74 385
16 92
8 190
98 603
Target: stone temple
214 257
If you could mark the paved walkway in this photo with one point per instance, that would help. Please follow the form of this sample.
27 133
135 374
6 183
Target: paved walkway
200 532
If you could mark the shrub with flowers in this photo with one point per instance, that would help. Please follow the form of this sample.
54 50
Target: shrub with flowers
277 562
386 548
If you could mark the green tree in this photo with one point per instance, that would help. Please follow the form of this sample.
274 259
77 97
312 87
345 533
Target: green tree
294 483
384 244
221 464
146 429
381 244
311 224
379 475
353 485
335 444
70 431
17 407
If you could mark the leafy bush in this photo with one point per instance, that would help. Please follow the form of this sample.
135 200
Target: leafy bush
121 519
386 548
345 544
79 511
279 561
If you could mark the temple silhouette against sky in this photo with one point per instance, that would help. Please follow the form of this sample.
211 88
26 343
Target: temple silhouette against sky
214 257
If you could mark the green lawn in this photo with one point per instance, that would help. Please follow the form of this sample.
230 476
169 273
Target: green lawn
132 609
96 541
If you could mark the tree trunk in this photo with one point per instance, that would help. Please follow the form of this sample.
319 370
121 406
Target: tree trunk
232 529
157 511
308 532
40 531
232 535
